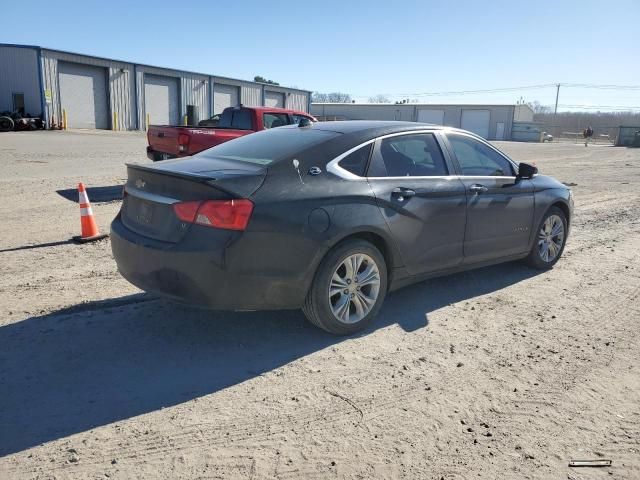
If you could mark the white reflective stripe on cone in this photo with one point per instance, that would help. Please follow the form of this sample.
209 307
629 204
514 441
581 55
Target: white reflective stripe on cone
83 197
85 212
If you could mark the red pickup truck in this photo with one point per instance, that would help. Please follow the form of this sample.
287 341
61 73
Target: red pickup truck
167 141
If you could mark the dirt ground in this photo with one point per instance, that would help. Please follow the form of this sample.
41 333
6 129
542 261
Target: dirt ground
503 372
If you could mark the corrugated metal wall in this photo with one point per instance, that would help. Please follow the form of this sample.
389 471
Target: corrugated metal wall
251 95
195 91
120 92
19 74
298 101
409 113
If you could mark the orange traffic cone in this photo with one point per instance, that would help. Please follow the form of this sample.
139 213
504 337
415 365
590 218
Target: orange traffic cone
90 230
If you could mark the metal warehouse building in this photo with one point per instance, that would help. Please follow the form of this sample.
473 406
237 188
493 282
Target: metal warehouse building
103 93
493 122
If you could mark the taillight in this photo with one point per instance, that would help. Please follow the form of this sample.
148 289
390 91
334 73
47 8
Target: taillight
183 142
226 214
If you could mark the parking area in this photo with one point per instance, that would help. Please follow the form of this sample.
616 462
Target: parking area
502 372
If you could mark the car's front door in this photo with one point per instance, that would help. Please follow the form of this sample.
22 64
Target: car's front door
421 199
499 205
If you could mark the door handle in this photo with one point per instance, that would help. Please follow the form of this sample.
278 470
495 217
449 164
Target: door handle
401 193
477 189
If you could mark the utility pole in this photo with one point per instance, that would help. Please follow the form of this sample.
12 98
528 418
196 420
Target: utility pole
555 112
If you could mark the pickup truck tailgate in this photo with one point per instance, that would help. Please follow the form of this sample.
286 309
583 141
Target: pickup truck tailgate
164 138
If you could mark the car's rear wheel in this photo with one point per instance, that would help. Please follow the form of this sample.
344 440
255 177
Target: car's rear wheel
551 237
348 289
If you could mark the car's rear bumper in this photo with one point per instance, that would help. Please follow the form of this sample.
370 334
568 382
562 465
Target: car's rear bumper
198 270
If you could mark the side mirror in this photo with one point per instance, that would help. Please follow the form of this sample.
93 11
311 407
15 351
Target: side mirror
526 170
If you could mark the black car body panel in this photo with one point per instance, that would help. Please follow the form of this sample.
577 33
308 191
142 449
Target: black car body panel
301 212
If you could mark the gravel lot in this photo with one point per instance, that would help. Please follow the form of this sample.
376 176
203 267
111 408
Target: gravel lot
503 372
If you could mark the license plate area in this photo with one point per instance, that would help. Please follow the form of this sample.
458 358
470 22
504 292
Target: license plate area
144 215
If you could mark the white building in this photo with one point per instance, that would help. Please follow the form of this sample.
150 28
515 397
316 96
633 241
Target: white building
493 122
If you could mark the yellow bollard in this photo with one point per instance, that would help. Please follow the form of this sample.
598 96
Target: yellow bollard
148 121
114 125
64 119
186 120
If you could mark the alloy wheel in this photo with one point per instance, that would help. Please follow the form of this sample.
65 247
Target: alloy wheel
551 238
354 288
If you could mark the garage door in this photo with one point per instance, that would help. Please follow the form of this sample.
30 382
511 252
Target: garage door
435 117
476 121
225 96
161 100
273 99
83 95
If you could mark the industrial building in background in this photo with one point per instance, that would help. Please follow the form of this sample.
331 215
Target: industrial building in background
83 91
493 122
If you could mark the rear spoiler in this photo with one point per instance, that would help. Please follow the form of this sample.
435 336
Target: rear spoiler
233 185
194 177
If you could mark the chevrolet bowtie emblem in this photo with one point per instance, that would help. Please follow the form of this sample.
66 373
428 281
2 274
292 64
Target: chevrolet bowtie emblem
140 183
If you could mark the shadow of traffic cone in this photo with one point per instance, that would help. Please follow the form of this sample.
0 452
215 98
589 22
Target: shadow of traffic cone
88 224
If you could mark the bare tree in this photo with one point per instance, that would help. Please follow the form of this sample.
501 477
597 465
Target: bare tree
333 97
538 108
574 122
379 99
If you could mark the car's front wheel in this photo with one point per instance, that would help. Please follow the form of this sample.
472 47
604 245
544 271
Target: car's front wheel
348 289
550 240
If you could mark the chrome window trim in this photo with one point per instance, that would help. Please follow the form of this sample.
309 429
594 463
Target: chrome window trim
336 169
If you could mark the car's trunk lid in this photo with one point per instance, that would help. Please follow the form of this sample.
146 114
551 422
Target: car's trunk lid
151 191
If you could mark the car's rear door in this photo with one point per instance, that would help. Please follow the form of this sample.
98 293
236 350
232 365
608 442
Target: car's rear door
421 199
499 205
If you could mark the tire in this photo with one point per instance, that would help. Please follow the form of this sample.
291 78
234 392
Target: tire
364 302
536 258
6 124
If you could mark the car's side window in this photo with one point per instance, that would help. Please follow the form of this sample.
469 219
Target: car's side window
415 155
356 162
273 120
235 118
295 118
477 159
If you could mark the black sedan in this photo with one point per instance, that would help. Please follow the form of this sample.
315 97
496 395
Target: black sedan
329 217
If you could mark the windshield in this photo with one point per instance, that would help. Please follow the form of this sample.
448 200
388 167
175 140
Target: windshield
268 146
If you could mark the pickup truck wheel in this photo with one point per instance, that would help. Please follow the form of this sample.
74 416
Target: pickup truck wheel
348 289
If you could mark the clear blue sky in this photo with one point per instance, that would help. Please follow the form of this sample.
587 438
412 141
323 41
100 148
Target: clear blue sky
361 48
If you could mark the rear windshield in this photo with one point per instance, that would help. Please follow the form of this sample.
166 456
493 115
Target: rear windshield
268 146
235 118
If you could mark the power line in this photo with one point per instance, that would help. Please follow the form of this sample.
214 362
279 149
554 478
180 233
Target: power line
602 87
